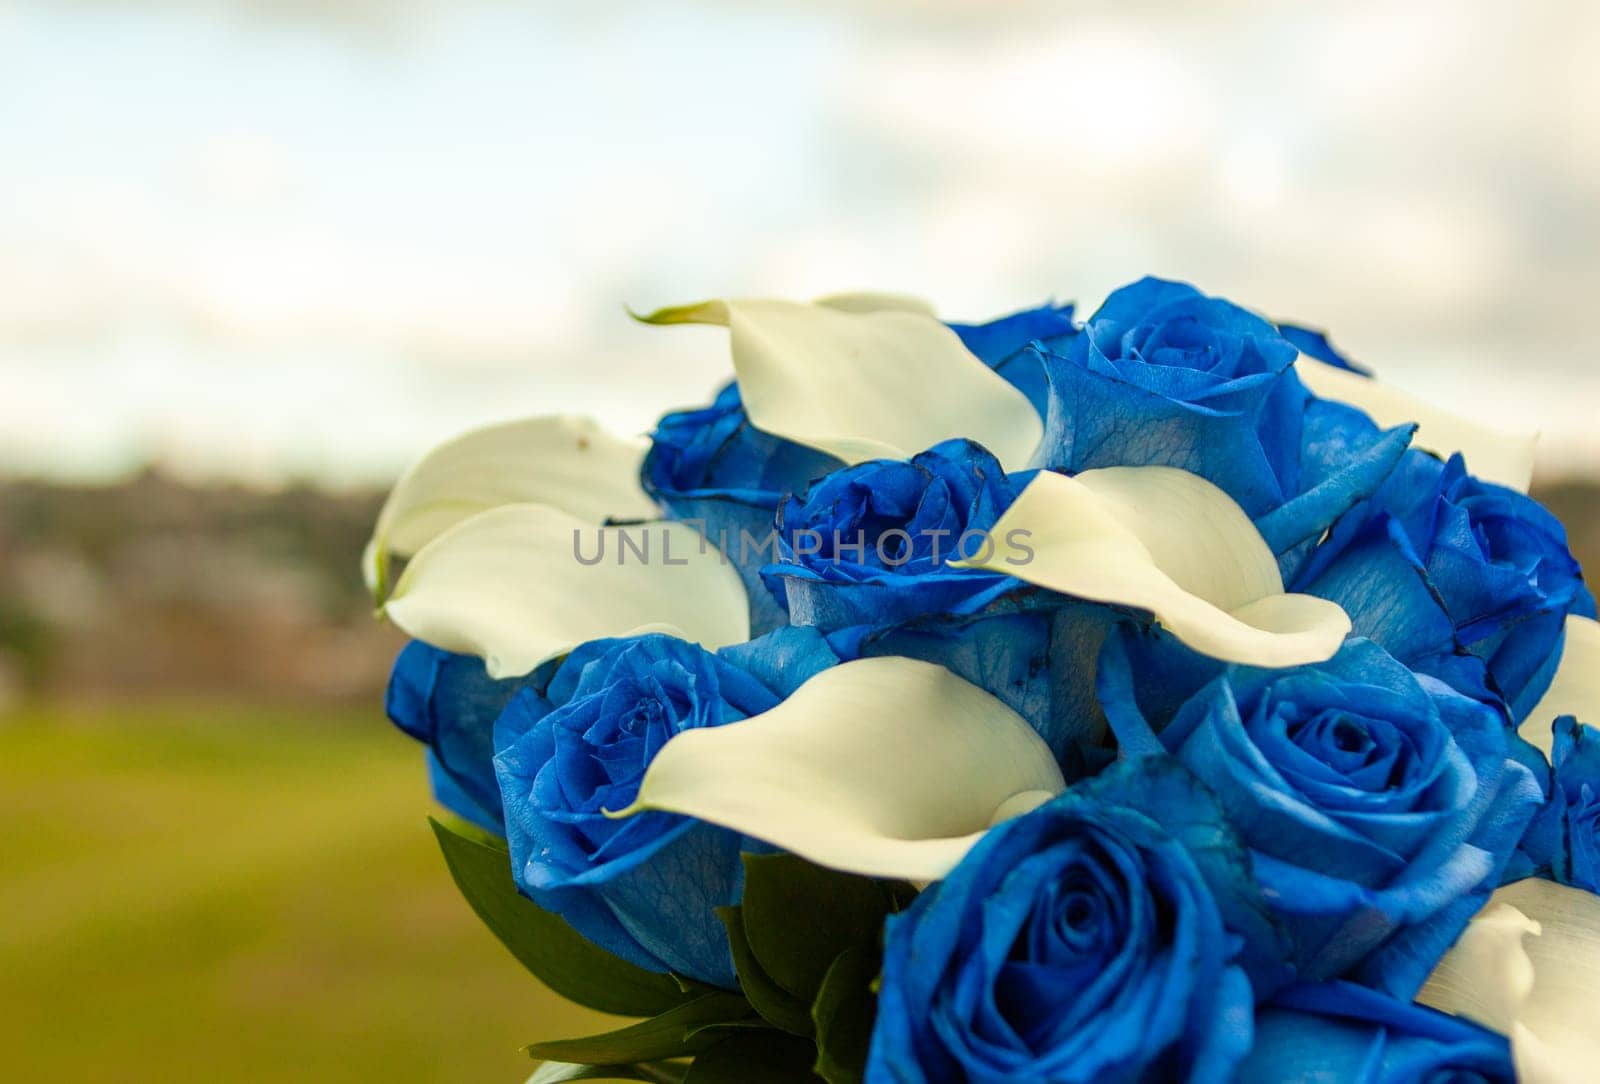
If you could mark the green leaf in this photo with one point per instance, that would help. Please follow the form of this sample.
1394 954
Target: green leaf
770 1058
844 1013
559 1072
558 955
772 1001
679 1032
799 917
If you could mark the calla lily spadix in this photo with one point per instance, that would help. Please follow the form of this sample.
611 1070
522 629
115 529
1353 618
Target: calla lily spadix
1169 542
1575 690
1528 967
568 462
508 585
1495 455
888 767
861 381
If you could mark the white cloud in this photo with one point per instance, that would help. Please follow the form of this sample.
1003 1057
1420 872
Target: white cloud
280 248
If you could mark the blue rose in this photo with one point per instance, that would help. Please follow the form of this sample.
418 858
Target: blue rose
1101 937
870 544
1379 805
1003 346
1438 561
1164 375
712 466
1338 1031
643 888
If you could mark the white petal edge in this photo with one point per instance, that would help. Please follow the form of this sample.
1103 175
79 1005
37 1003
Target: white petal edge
1575 690
507 585
1169 542
1495 455
564 461
888 767
1528 966
863 383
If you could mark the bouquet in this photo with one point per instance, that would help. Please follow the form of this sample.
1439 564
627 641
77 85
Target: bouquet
1156 697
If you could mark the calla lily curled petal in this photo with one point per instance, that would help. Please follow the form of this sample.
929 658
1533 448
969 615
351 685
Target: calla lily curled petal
522 583
888 767
568 462
1529 967
865 377
1168 542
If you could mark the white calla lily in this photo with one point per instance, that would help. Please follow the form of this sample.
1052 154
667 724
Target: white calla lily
519 584
1528 966
568 462
1169 542
1575 690
1495 455
889 767
863 381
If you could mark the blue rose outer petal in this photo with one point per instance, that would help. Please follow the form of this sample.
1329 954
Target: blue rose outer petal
784 659
1033 651
1315 344
1339 1031
1563 842
1003 346
1103 936
1379 806
450 794
450 703
1576 760
1344 458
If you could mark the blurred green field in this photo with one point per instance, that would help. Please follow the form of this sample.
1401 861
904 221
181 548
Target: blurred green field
245 894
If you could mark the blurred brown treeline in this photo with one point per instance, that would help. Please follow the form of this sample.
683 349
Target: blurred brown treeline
156 588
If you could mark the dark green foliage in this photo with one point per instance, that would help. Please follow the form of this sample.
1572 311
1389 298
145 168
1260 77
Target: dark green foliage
806 944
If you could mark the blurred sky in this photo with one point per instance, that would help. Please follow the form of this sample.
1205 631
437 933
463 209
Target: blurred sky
271 238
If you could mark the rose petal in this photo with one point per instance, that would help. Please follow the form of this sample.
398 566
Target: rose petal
1494 455
1170 542
507 585
1575 690
888 767
1541 990
885 383
568 462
